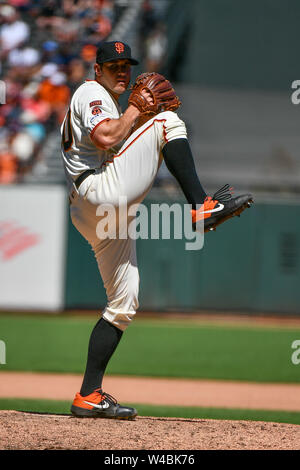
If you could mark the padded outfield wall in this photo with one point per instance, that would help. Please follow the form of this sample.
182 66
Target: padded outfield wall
250 264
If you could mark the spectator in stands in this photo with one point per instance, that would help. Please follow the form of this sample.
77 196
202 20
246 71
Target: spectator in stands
50 52
156 48
34 110
13 31
107 9
47 49
8 167
56 94
103 27
23 149
148 20
50 14
88 53
24 61
11 110
66 31
77 72
153 34
23 56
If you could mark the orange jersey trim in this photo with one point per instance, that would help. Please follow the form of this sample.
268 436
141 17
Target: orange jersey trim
97 125
136 138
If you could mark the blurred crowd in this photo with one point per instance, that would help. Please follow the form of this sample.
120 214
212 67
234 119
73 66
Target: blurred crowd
47 48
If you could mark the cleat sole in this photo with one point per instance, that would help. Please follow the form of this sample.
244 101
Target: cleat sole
237 212
98 416
128 418
83 413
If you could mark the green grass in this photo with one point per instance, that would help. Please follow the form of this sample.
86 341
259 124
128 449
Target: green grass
63 407
153 348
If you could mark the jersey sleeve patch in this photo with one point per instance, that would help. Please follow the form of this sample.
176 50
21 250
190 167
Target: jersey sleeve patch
96 110
95 103
94 107
96 115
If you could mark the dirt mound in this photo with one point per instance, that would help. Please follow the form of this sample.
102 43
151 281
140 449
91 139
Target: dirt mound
20 430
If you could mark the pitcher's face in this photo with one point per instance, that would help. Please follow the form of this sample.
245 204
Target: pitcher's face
114 76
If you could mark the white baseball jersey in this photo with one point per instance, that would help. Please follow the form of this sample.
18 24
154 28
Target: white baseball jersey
91 105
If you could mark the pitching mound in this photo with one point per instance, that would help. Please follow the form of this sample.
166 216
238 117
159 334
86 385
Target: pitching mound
20 430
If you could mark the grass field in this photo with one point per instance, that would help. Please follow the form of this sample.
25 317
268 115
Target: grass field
161 348
63 407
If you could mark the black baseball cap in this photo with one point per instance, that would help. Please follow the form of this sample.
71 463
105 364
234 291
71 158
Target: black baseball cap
114 50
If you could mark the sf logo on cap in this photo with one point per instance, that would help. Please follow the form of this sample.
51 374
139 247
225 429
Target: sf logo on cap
119 47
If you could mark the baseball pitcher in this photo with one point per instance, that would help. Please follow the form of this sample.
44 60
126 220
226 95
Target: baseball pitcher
108 155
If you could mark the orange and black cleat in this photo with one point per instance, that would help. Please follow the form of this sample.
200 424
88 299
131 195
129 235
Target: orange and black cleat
100 405
219 208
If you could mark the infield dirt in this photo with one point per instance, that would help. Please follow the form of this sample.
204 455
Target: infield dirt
157 391
20 430
32 431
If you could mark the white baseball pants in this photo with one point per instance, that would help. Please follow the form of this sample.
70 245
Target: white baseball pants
129 174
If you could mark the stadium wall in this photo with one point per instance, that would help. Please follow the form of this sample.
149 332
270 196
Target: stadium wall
251 264
233 43
32 247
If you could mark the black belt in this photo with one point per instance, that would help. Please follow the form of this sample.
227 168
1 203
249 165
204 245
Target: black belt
78 182
82 177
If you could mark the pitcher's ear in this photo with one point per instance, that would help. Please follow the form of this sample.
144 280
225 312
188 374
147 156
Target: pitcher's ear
98 70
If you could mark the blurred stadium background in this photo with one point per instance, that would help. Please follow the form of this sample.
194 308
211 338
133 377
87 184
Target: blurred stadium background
232 63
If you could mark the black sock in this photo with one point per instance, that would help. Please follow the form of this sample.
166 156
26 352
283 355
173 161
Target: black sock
104 339
179 161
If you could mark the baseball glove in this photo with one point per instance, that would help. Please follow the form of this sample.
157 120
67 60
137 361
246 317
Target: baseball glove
161 90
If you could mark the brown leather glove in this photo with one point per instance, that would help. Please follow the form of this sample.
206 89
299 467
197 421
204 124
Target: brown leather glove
161 90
